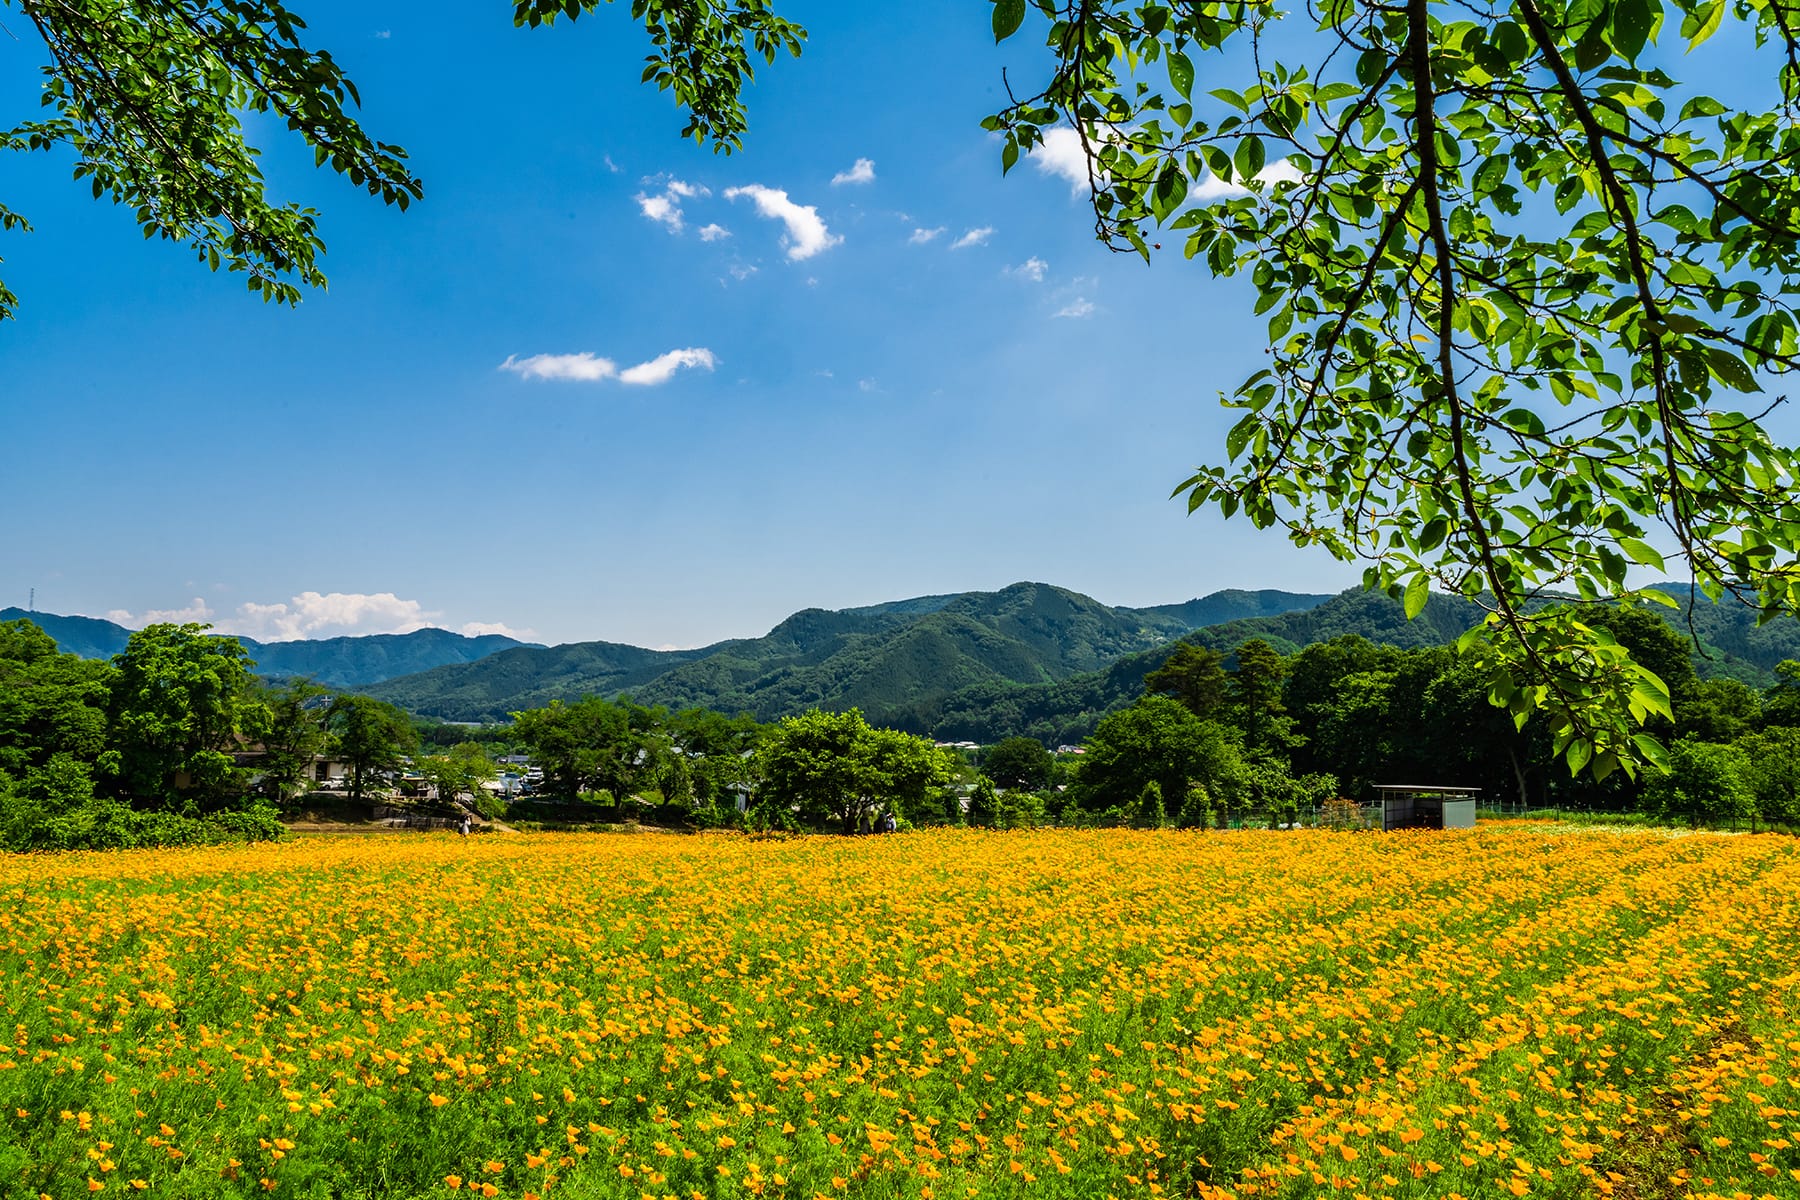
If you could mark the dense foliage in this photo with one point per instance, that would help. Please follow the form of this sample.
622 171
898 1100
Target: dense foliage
139 751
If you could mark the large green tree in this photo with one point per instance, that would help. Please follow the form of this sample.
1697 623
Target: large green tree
1194 675
293 736
833 769
1155 740
370 736
583 746
183 704
1018 762
50 703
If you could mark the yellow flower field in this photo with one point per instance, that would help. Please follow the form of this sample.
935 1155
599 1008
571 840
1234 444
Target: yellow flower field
1515 1011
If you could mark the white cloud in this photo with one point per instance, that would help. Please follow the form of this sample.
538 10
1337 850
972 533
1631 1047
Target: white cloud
741 271
384 34
588 367
332 614
662 368
1032 268
974 237
921 236
866 385
612 166
713 232
485 628
1061 154
1214 188
664 207
196 611
1075 309
579 368
806 233
862 172
313 615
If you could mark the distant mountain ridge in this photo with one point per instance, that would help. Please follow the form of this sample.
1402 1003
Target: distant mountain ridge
341 662
895 661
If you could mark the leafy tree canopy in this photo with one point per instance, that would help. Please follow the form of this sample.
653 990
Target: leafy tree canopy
370 736
149 96
1018 762
1519 280
182 704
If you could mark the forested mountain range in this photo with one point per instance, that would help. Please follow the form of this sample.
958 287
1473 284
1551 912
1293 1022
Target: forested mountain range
895 661
1029 659
341 662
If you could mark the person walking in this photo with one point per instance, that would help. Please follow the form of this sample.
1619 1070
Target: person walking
466 823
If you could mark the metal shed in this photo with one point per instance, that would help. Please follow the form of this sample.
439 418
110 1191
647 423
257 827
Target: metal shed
1426 806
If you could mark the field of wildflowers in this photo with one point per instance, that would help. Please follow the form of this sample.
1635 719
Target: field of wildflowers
952 1014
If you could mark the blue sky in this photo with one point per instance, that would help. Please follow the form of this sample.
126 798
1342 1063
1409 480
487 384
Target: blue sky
936 381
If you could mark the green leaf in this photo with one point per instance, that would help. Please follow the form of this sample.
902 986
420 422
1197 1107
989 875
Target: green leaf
1181 73
1008 15
1249 158
1240 435
1577 754
1650 694
1709 25
1641 552
1632 21
1171 190
1651 750
1417 592
1730 370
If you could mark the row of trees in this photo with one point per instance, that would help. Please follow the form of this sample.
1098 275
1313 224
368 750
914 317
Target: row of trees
1259 731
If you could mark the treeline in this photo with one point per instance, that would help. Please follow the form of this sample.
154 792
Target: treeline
1342 715
175 741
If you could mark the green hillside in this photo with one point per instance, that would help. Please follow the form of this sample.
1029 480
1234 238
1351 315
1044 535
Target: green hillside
1067 710
528 677
896 661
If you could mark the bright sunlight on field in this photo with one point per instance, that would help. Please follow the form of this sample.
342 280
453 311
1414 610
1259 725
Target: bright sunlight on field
946 1014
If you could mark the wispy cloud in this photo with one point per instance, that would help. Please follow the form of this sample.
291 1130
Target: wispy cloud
974 237
587 367
806 232
862 172
1075 309
921 236
713 232
575 368
662 368
1033 268
664 207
